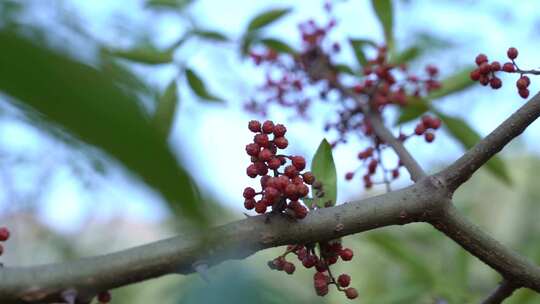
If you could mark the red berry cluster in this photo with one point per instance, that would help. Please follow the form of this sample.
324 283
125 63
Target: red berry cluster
286 187
425 125
4 236
485 72
329 254
104 297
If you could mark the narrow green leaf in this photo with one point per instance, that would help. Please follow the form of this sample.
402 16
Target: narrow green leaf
358 49
89 105
384 11
199 88
324 169
277 45
210 35
123 75
416 106
146 55
168 4
343 68
166 109
468 137
453 84
246 43
407 55
266 18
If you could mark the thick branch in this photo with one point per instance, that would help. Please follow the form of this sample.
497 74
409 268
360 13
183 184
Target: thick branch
501 293
512 266
235 240
461 170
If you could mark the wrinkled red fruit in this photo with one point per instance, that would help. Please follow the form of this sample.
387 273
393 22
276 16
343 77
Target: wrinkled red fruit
104 297
351 293
4 234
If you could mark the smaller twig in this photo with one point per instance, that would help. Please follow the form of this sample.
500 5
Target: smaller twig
502 292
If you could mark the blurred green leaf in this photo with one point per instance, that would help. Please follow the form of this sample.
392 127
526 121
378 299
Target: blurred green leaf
198 87
384 11
266 18
324 169
468 137
146 55
88 104
168 4
246 43
402 254
407 55
358 49
277 45
166 108
343 68
123 75
453 84
416 106
210 35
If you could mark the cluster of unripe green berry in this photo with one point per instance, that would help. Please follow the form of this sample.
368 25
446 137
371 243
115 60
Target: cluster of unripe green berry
282 190
329 253
485 72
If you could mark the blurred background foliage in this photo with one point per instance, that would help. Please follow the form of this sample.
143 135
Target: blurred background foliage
110 117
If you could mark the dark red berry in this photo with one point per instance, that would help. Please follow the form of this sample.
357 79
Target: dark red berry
299 162
372 166
512 53
351 293
279 130
524 93
252 149
481 58
346 254
309 261
475 74
349 175
291 171
522 83
268 127
344 280
495 83
265 154
254 126
495 66
260 207
249 192
508 67
274 163
432 70
281 142
252 171
261 140
289 268
249 204
395 173
308 177
429 137
4 234
104 297
420 129
485 68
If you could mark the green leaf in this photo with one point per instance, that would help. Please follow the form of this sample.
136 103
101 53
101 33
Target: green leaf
198 87
168 4
123 75
468 137
266 18
146 55
324 169
453 84
166 109
402 254
277 45
343 68
384 11
210 35
358 49
246 43
416 106
406 55
89 105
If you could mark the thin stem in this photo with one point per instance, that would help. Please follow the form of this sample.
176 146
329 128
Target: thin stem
502 292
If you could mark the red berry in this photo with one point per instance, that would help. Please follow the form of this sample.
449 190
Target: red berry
395 173
4 234
268 127
260 207
290 191
265 154
271 193
249 204
281 142
495 66
351 293
299 162
484 68
420 129
252 171
521 83
279 263
104 297
349 175
508 67
308 177
475 74
262 169
264 180
274 163
432 70
279 130
344 280
254 126
261 140
527 80
252 149
319 276
512 53
429 137
524 93
300 213
372 167
346 254
484 80
291 171
302 190
309 261
495 83
435 123
289 267
249 192
481 58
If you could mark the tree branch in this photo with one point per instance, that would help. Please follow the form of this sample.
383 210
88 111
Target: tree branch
503 291
462 169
